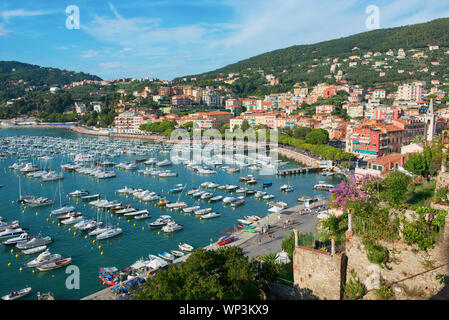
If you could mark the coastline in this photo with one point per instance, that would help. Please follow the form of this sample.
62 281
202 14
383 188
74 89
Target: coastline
286 152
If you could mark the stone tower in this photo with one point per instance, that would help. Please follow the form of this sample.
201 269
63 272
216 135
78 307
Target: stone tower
430 123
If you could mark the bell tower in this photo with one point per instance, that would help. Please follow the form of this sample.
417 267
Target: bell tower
430 123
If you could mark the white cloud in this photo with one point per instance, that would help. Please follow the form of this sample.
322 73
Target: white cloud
90 53
8 14
254 28
4 32
62 48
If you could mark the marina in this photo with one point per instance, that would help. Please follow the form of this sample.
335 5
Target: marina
152 196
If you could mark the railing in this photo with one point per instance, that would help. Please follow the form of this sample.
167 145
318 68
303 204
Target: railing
366 227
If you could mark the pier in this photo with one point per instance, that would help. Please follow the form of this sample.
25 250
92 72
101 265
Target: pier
293 171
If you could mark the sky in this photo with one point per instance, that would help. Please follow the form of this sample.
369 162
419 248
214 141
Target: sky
166 39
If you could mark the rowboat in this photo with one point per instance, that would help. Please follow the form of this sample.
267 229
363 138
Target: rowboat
185 247
108 277
13 295
55 265
177 253
167 256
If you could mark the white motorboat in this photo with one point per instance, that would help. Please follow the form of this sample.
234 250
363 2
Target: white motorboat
17 240
185 247
202 211
190 209
79 193
136 213
13 295
142 216
43 258
176 205
34 250
11 232
207 195
111 232
164 163
126 211
97 231
211 215
228 200
72 220
62 210
172 227
35 242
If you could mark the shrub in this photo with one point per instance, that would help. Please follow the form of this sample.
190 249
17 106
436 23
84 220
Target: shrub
376 253
354 288
385 292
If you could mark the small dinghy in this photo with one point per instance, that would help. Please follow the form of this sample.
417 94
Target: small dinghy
13 295
185 247
177 254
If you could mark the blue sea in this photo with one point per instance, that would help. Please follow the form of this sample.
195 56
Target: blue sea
137 239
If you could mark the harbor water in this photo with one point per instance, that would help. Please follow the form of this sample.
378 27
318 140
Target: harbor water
138 239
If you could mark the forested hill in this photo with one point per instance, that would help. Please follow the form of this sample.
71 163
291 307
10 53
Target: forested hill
35 75
288 60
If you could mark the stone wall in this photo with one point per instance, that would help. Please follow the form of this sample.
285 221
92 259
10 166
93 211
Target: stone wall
318 274
442 180
406 261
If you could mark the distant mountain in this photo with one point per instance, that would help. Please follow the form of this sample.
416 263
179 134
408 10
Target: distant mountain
39 76
286 63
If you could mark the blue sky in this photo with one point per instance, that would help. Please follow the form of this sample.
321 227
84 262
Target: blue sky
170 38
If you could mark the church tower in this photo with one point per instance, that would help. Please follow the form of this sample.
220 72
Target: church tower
430 123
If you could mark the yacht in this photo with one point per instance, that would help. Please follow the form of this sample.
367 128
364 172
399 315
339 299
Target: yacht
79 193
164 163
172 227
43 258
11 232
35 242
22 238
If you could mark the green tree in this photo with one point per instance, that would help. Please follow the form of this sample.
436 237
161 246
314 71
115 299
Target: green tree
317 136
245 125
395 186
223 274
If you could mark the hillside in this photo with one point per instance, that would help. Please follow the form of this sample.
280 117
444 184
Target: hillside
16 76
291 65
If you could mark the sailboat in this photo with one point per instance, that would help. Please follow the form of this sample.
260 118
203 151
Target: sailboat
62 210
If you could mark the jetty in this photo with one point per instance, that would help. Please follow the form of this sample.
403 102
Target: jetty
289 172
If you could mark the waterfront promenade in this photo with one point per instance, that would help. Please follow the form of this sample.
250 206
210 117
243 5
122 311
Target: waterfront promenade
256 244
